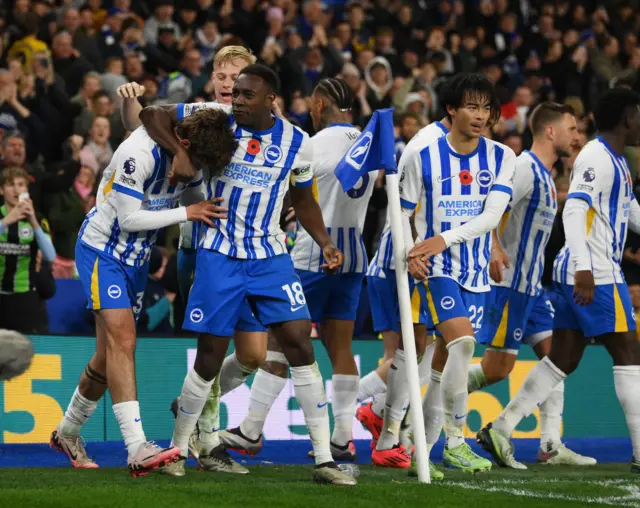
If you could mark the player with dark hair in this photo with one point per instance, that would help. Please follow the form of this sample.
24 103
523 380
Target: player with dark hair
465 181
332 299
244 258
136 199
518 310
592 298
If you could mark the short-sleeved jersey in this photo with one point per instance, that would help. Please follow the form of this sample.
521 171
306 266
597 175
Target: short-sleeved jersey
600 177
526 226
253 186
454 188
139 168
383 259
343 212
18 254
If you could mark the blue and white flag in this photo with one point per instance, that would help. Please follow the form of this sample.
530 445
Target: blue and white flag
374 149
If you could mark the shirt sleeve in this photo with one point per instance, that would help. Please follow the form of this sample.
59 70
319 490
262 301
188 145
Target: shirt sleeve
131 218
506 174
634 216
131 169
186 109
522 184
302 172
588 178
574 220
494 207
411 182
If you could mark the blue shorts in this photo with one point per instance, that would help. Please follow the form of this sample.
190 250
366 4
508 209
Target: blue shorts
383 299
223 286
446 299
610 311
513 317
331 296
108 283
186 272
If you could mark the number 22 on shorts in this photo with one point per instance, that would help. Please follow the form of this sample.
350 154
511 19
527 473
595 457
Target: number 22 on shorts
296 295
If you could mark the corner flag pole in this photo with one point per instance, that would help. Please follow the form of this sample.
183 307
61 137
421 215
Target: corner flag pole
406 322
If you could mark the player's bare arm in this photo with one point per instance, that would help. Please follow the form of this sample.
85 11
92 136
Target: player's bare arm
160 122
499 258
310 216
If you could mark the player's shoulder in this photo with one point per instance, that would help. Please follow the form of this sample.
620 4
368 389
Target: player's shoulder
525 161
498 149
426 136
189 108
138 149
594 153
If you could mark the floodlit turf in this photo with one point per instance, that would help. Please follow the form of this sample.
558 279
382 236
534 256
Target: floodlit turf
291 486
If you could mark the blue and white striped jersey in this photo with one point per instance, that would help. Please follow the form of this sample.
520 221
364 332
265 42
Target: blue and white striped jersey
383 259
343 212
600 177
454 188
138 169
253 186
526 226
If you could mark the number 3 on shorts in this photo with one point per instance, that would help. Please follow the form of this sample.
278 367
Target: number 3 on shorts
138 306
295 294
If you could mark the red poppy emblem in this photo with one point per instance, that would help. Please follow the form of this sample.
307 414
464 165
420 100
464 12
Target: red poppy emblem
253 147
553 193
629 178
172 181
465 177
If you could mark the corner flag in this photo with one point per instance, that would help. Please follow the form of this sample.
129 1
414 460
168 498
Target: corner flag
374 149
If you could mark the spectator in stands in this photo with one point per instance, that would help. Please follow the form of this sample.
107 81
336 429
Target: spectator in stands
101 105
26 47
66 212
90 86
162 17
379 80
192 67
23 232
113 76
68 62
87 46
98 142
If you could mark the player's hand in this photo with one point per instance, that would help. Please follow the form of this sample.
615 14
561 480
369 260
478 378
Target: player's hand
333 257
426 249
499 259
182 169
130 90
419 269
584 287
207 210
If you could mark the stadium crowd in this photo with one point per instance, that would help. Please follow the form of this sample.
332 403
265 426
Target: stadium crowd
63 60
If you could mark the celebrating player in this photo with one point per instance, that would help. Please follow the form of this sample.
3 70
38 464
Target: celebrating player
250 337
243 259
383 298
332 299
517 309
466 180
592 298
136 198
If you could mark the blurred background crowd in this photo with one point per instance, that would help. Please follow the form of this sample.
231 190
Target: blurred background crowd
62 61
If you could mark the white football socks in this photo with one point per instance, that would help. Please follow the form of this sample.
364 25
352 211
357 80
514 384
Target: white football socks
370 386
627 381
232 374
536 388
424 367
195 392
432 409
78 412
396 403
343 402
454 389
264 391
128 416
309 389
477 379
209 421
551 419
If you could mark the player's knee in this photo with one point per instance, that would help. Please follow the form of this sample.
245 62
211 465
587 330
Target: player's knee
275 368
566 364
252 360
495 374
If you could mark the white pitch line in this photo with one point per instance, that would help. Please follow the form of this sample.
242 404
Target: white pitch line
632 500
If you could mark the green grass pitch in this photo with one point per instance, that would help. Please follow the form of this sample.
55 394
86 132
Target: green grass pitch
291 487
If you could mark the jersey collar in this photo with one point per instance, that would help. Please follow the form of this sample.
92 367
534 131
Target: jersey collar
609 147
442 126
339 124
538 161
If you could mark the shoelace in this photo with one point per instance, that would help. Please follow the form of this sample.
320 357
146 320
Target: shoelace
222 455
79 446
